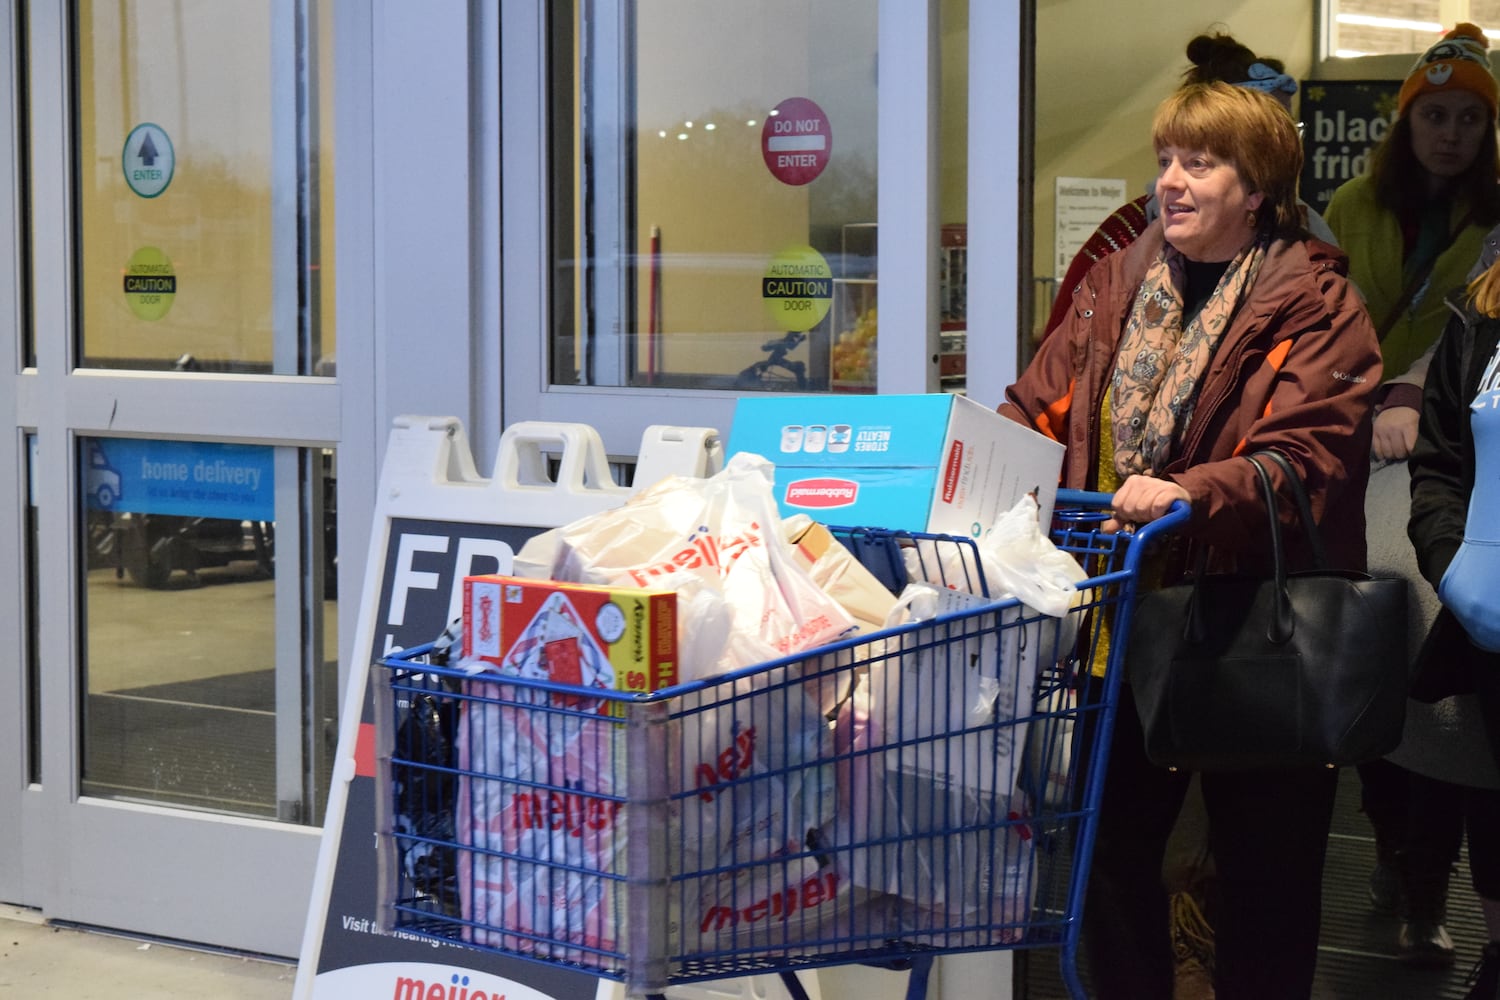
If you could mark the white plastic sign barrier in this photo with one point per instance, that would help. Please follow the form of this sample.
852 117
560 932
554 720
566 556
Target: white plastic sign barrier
437 521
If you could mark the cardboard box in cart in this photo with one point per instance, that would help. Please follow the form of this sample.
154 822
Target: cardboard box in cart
571 633
935 462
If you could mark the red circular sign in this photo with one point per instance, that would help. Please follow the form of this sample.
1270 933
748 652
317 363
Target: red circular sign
796 141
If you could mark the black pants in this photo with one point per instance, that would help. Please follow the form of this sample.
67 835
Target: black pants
1268 831
1487 683
1413 812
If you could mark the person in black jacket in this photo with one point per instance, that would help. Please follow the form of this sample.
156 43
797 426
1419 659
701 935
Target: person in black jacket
1455 529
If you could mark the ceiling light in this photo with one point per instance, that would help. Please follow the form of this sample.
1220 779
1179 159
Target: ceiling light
1393 23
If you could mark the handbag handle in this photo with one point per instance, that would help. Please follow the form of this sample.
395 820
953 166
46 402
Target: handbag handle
1282 624
1310 529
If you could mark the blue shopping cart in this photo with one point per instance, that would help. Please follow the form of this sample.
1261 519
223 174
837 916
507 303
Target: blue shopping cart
886 799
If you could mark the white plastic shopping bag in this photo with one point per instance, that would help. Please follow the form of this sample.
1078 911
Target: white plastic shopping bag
723 533
750 762
927 766
946 694
544 816
1021 561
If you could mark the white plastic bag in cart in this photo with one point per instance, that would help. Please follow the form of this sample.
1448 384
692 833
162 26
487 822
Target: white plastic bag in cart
928 750
1021 561
751 752
955 695
757 757
958 862
722 532
543 798
723 536
540 815
1018 559
799 906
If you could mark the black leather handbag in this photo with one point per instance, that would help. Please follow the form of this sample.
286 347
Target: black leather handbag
1236 673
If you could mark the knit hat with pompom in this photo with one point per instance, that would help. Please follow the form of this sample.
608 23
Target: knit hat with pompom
1460 61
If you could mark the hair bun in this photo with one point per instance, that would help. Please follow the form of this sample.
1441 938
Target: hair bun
1220 57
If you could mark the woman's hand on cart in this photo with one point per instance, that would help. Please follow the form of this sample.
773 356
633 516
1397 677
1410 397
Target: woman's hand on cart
1143 498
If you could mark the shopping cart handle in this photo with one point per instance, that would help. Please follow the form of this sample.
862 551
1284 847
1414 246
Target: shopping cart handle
1176 516
1088 505
1082 498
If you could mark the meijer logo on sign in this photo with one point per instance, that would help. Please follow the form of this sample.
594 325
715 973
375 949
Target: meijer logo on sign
822 493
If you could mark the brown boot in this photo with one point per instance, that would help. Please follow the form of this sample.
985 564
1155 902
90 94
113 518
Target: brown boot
1192 949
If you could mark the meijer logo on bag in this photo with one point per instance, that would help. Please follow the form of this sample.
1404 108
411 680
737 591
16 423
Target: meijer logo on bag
822 493
780 905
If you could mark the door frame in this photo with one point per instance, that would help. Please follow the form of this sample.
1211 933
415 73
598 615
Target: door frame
217 879
908 217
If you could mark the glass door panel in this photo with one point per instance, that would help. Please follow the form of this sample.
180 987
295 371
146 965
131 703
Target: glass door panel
713 218
685 265
189 187
180 631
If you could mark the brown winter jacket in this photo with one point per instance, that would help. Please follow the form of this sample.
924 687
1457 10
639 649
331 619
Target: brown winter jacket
1295 371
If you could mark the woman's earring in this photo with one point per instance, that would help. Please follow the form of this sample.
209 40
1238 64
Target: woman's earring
1251 220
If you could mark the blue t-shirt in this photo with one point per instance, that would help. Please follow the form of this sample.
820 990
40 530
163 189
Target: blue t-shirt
1471 585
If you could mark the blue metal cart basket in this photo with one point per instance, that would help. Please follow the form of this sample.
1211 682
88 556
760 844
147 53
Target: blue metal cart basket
899 795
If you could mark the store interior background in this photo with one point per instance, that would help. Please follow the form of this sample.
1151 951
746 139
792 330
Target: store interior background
1099 77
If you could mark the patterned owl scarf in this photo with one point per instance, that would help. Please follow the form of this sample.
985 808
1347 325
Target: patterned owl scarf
1159 365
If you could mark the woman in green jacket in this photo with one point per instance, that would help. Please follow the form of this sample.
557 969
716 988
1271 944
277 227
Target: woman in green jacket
1414 225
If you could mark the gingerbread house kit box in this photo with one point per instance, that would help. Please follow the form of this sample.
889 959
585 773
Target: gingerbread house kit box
612 638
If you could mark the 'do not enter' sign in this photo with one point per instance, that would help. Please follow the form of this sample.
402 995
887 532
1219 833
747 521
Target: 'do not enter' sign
796 141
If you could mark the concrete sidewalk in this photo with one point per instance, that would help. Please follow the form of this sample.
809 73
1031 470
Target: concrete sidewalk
38 959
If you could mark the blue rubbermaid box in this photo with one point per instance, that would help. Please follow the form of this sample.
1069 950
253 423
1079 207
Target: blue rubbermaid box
927 462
